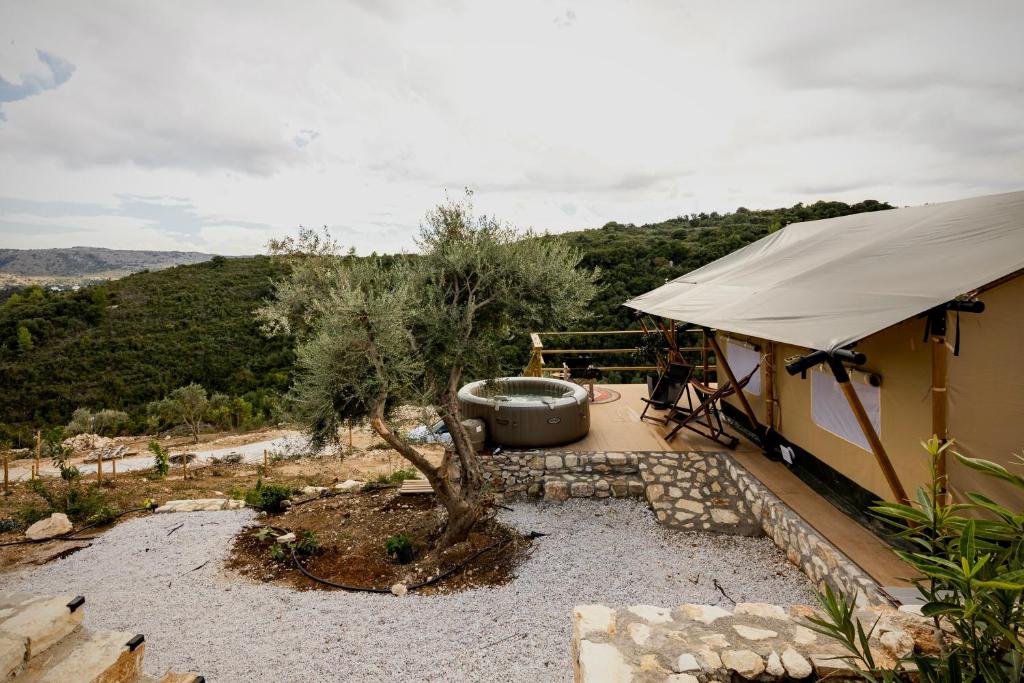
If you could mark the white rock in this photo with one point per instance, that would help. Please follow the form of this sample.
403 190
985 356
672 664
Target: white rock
751 633
349 485
686 662
602 663
682 678
54 525
639 633
399 589
796 665
724 516
899 644
286 538
593 619
655 615
804 636
761 609
744 662
705 614
775 667
709 660
313 490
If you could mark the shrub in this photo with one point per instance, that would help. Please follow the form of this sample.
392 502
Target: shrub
399 548
973 569
307 543
277 552
383 480
80 503
161 459
268 497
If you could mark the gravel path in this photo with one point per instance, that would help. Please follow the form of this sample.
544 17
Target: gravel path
137 578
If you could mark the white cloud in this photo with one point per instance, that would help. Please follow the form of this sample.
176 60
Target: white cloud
359 116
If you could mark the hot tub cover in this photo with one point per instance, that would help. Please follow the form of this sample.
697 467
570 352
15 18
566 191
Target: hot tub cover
825 284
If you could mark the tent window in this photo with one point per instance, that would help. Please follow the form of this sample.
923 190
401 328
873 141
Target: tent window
831 412
742 359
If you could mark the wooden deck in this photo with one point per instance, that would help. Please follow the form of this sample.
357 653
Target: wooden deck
616 426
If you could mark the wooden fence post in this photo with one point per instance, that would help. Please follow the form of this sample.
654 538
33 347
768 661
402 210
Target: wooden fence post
266 459
113 470
39 454
99 468
7 485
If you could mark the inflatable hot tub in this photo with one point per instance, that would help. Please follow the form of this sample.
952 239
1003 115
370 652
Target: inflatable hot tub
528 412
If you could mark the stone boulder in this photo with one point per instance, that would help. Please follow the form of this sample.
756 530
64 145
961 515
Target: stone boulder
54 525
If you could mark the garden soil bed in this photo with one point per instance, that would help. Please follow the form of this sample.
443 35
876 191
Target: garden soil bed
352 531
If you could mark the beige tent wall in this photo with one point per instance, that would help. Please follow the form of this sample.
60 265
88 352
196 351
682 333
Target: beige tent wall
986 392
903 361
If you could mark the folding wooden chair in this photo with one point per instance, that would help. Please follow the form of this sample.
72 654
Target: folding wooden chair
706 418
668 391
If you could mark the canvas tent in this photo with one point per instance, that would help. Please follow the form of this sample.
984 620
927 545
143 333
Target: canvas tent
865 279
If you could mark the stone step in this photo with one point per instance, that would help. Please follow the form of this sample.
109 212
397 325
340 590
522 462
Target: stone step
32 624
88 657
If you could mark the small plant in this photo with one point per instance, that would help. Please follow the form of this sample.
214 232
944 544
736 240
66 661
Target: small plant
385 480
161 459
379 446
307 544
277 553
399 548
263 534
8 525
80 503
268 497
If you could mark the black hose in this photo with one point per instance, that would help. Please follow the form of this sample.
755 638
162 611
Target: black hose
440 577
68 536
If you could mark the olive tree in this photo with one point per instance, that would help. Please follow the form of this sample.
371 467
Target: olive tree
378 332
187 405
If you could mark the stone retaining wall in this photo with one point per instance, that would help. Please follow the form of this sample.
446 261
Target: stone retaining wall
693 491
707 491
755 641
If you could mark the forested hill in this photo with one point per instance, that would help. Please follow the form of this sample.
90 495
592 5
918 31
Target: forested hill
127 342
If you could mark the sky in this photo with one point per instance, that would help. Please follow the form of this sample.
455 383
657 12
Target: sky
215 126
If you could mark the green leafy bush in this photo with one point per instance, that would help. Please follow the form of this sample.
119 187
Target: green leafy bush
399 548
307 543
277 552
268 497
81 503
161 460
973 582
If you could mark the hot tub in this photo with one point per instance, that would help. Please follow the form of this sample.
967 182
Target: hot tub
528 411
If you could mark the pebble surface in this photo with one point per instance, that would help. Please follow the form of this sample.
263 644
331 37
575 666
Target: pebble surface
137 578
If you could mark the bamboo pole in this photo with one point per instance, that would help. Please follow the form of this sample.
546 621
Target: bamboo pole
39 454
769 385
940 405
723 363
843 378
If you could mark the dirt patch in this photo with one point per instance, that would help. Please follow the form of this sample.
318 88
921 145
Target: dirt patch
352 531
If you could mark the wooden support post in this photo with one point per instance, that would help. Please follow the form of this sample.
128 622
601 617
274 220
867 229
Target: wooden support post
99 467
350 438
113 470
721 362
843 378
7 476
39 454
266 459
769 385
184 466
940 360
705 356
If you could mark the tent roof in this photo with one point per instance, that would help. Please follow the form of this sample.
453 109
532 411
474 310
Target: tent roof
825 284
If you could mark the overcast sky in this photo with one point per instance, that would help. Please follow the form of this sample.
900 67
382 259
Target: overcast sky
213 126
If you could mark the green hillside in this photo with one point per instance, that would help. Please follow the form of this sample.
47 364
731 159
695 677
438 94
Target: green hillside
131 341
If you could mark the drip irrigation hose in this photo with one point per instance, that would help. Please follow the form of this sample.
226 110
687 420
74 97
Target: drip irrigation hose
423 584
69 535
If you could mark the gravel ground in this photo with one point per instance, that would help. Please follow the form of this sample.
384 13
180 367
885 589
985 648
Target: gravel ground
138 578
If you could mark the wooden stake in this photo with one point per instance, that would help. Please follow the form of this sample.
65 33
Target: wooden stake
39 454
7 485
184 465
99 467
350 438
266 460
113 470
721 362
872 436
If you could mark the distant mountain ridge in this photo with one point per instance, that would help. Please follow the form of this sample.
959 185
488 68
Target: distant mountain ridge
90 261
